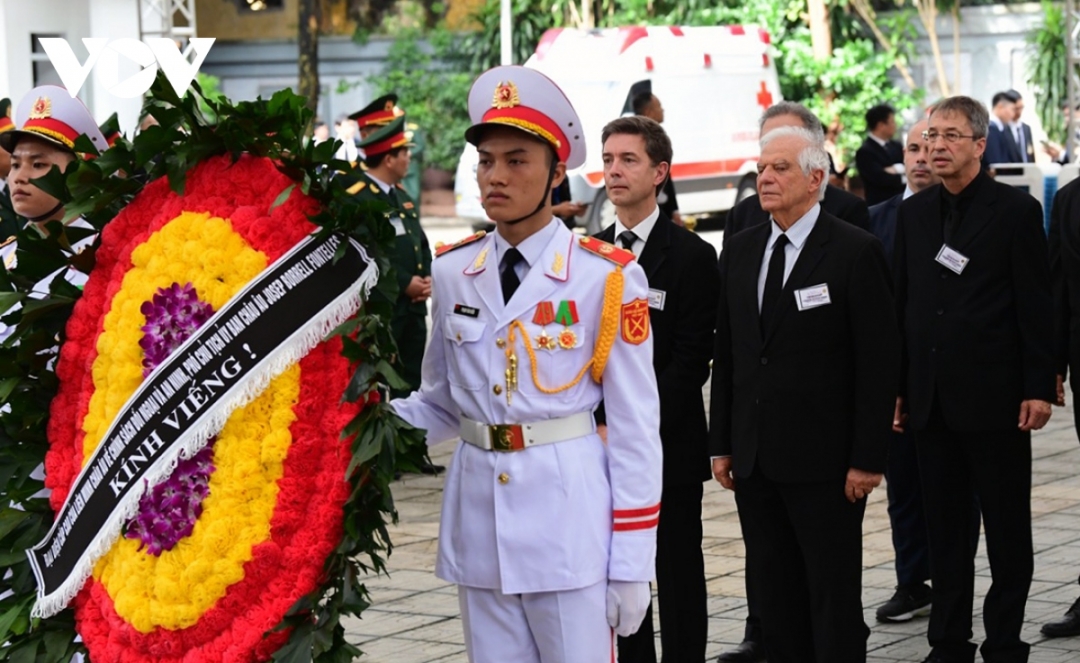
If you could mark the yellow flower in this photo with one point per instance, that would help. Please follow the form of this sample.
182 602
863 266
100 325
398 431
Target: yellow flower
175 589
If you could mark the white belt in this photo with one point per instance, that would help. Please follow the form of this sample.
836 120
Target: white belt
516 437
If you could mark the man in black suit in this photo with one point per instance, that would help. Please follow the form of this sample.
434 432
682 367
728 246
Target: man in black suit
1001 146
1021 130
1064 241
683 288
880 158
804 378
912 596
974 302
747 212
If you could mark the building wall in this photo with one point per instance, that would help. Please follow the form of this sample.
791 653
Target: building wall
73 21
223 20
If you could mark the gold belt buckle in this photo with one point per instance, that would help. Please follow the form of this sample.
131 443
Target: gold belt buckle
506 437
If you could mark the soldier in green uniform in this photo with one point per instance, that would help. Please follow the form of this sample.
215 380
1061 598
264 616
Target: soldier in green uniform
9 224
387 156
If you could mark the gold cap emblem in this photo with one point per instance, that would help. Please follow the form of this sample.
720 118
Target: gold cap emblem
42 108
506 96
389 106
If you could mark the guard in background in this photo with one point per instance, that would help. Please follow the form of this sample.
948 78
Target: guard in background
549 533
9 225
387 159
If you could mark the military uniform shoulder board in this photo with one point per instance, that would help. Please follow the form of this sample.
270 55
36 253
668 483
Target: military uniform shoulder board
447 248
7 241
620 257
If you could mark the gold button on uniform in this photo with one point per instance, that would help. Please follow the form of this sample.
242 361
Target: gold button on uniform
504 478
500 342
458 337
497 389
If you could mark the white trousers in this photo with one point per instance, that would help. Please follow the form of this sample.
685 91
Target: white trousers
544 627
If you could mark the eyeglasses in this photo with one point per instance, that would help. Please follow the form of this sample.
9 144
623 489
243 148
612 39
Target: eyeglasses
949 136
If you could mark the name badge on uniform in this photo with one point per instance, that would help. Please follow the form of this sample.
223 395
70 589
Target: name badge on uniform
812 297
656 299
952 259
399 225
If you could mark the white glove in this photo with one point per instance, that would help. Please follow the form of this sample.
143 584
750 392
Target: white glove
626 605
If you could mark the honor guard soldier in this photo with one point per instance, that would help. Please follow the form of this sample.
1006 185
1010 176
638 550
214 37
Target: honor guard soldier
549 533
387 156
48 122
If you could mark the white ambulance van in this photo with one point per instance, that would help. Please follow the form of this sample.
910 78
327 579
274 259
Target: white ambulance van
713 82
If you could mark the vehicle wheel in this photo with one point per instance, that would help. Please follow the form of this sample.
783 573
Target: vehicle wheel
747 187
601 213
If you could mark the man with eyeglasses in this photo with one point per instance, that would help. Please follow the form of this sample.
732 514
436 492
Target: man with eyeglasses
974 303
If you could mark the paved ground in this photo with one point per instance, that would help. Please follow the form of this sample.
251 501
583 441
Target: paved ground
414 616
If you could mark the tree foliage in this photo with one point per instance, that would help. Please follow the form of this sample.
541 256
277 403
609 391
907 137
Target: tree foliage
431 78
1048 70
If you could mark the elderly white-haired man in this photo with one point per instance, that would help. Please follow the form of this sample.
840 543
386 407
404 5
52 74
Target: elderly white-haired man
804 379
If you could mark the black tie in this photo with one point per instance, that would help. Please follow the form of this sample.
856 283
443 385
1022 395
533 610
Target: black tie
952 220
774 282
509 277
626 239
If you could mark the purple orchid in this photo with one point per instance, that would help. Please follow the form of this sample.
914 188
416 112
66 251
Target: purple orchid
168 511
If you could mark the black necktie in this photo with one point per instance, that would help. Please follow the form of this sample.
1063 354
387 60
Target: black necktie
509 277
952 220
774 282
626 239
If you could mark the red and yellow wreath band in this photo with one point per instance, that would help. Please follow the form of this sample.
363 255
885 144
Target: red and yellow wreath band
271 507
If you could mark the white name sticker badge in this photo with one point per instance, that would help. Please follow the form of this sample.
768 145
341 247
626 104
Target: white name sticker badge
656 299
952 259
813 297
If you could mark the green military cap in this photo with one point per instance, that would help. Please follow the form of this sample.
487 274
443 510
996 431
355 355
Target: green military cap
387 138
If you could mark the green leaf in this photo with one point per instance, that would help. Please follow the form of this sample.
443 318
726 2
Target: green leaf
298 649
283 196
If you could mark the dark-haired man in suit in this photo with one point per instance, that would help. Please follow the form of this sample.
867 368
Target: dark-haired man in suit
838 202
974 302
1001 144
683 289
804 378
880 159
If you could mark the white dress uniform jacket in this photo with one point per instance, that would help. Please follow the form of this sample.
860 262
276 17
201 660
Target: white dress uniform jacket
555 516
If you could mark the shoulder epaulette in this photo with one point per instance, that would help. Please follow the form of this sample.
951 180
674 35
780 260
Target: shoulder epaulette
447 248
620 257
7 241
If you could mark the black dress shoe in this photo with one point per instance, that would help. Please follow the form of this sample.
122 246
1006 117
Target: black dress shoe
432 468
748 651
1066 626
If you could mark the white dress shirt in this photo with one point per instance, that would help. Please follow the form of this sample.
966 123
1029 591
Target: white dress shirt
530 248
796 234
642 231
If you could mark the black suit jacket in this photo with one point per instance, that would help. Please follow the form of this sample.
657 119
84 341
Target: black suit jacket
979 342
1064 241
1000 146
872 159
883 223
814 396
683 267
748 213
